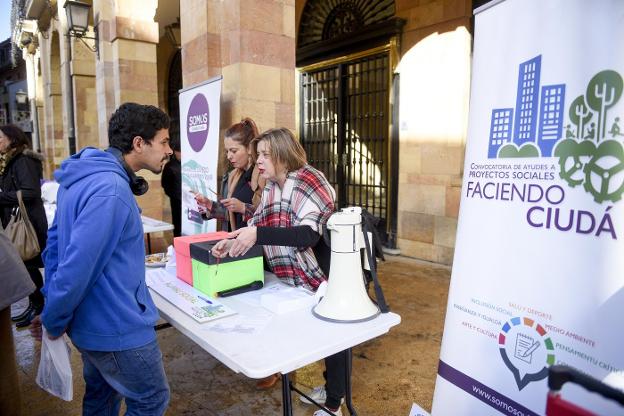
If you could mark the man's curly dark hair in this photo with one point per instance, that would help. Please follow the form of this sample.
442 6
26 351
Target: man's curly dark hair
131 120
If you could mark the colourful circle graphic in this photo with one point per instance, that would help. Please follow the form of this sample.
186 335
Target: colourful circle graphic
526 349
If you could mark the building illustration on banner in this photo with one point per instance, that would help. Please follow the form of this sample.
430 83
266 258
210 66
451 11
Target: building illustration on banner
591 154
536 123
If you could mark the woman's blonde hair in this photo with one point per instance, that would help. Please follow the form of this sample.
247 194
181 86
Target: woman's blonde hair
283 147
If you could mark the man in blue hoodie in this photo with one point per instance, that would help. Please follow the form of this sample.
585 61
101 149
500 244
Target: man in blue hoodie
95 266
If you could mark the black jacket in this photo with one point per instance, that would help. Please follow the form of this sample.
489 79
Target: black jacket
171 181
25 172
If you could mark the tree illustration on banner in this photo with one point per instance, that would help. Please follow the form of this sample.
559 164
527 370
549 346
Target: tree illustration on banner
603 91
580 115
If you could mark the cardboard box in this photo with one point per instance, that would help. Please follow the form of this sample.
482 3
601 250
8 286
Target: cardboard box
212 275
182 246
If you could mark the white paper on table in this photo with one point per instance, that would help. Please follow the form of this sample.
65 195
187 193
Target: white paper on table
241 324
152 222
281 299
185 297
252 298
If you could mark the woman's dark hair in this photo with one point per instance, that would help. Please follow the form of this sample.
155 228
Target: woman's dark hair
174 143
16 136
243 132
131 120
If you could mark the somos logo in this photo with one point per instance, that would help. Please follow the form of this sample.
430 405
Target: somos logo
198 122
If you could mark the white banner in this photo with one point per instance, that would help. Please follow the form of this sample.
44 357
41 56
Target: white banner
199 138
539 261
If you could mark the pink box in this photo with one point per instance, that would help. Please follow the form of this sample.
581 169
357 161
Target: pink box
182 245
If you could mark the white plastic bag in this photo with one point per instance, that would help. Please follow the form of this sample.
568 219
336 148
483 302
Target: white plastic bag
55 373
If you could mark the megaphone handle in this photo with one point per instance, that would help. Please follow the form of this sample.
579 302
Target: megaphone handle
381 300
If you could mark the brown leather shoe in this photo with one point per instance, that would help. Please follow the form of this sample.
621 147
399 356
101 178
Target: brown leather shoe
268 382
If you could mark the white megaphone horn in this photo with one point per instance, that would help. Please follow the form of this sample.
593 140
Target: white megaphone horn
346 298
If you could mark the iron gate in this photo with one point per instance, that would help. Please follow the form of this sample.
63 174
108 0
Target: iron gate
344 130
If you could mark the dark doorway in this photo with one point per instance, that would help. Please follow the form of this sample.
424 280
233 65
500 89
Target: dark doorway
174 85
345 132
345 53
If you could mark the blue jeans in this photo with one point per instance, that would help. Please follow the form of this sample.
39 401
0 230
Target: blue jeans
137 375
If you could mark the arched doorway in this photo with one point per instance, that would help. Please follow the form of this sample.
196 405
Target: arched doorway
174 85
346 53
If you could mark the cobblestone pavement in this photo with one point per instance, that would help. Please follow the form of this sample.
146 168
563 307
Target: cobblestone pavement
389 373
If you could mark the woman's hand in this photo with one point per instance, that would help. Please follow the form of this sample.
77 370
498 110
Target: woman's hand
233 205
202 201
222 248
245 239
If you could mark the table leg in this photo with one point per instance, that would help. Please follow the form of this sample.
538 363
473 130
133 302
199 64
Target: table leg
348 364
286 397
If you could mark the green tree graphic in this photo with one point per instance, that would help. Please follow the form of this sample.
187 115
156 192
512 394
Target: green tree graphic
603 91
579 115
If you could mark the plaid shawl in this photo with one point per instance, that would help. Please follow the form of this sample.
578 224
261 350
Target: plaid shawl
306 199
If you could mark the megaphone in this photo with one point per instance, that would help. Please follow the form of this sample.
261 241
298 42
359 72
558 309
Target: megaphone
346 299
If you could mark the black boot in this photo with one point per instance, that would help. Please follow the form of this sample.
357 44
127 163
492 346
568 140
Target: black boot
36 310
22 315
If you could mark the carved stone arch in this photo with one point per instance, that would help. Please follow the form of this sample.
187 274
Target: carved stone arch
331 28
324 20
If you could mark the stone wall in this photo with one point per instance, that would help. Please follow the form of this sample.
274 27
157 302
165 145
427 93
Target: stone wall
434 94
251 43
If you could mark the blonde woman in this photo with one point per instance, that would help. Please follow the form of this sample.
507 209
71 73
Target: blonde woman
295 205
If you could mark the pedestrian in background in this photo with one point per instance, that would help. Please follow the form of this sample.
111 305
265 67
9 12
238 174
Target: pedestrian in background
21 170
171 181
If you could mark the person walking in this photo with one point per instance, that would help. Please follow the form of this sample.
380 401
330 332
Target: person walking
21 170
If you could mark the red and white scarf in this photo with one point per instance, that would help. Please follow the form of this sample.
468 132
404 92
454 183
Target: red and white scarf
306 199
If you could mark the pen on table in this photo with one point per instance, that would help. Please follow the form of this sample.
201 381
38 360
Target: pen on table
205 300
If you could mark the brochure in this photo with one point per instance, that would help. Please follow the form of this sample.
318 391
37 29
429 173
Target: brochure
200 307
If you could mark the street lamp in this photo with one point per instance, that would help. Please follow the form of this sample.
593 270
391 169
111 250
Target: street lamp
21 97
78 23
77 17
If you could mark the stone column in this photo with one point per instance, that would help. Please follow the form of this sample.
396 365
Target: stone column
127 71
251 43
85 103
54 144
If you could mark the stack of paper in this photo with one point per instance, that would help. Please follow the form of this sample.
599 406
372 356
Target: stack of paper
281 299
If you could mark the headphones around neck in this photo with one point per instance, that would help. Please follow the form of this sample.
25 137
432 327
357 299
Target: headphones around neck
138 185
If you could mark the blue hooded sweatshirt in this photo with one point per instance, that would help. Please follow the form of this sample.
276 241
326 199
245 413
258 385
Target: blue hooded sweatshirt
95 258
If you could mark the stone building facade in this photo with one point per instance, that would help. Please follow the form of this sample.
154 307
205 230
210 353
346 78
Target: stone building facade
255 45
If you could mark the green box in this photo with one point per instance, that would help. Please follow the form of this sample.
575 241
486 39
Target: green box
212 275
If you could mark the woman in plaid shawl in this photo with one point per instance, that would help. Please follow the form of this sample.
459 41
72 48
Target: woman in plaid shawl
295 205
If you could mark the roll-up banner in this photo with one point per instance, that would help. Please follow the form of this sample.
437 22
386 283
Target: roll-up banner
199 137
538 273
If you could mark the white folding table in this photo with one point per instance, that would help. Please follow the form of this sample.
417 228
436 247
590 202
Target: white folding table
283 344
151 225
